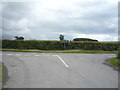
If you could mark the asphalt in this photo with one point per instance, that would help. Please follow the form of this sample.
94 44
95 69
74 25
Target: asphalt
58 70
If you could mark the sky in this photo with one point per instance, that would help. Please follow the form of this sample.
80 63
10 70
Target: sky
47 19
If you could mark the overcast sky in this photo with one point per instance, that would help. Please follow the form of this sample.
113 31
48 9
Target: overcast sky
47 19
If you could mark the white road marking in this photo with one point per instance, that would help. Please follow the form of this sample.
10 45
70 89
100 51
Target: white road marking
36 55
46 55
41 55
18 54
54 55
61 60
9 54
26 55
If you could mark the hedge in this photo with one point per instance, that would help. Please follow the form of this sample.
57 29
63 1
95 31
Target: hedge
58 45
84 39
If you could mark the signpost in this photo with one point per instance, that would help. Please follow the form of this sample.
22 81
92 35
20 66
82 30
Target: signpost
64 43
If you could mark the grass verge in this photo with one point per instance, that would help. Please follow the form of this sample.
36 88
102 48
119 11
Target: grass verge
3 74
58 51
114 62
0 72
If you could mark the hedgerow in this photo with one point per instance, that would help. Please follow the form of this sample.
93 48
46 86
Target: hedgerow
58 45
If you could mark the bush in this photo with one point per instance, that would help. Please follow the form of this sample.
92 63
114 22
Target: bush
57 45
84 39
118 55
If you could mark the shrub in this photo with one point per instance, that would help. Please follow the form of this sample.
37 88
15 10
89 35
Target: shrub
84 39
57 45
118 55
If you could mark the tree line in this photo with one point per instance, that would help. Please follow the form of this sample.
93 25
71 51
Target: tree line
61 37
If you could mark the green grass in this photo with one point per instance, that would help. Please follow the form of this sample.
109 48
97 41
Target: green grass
59 51
110 42
0 73
114 62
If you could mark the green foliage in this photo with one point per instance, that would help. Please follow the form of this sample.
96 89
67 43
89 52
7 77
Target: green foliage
19 38
84 39
118 55
114 61
57 45
61 37
0 73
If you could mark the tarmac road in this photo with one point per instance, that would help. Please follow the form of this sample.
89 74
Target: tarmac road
37 70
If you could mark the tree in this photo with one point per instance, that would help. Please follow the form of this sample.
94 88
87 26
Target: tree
84 39
19 38
16 37
61 37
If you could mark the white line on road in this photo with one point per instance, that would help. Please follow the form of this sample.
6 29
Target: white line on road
46 55
18 54
9 54
36 55
26 55
61 60
54 55
41 55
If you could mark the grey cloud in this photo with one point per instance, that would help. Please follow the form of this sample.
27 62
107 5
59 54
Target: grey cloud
15 11
92 21
95 18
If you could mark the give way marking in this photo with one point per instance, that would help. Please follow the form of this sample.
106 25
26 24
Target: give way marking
62 61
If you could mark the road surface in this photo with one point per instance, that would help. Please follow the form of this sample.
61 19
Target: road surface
40 70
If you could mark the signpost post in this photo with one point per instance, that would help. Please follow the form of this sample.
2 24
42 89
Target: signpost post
64 44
